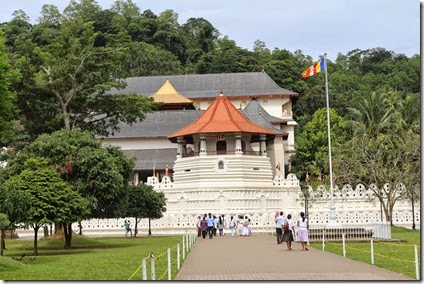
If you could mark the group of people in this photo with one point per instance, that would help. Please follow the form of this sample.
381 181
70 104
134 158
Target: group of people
209 225
128 226
285 230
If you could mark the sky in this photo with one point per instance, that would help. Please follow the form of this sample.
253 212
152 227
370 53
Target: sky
314 27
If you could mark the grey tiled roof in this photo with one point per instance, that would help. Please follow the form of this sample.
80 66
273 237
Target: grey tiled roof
255 108
162 123
252 84
158 124
157 157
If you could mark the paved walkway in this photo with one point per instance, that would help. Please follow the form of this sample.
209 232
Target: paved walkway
258 257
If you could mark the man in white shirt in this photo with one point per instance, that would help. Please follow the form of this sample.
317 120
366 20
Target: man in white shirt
279 223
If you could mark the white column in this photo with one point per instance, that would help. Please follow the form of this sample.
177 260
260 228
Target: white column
180 148
202 146
136 178
238 147
263 144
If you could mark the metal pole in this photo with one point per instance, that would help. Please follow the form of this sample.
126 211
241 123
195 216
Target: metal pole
344 245
144 269
417 271
169 263
178 255
152 267
372 252
323 244
332 207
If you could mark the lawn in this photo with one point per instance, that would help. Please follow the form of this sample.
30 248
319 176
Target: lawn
395 256
108 258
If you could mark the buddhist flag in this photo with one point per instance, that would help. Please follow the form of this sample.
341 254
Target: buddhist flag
314 69
278 167
166 170
319 177
154 169
307 176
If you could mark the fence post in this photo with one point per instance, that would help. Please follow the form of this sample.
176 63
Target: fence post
186 242
323 244
372 252
417 271
344 245
178 255
152 267
183 247
144 269
169 263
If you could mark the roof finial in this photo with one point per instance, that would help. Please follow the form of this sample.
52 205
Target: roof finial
221 94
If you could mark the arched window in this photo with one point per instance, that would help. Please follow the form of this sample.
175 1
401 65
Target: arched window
220 165
221 147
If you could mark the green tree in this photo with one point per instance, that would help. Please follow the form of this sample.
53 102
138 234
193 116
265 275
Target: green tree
312 144
145 203
385 163
100 174
78 75
51 199
384 148
8 76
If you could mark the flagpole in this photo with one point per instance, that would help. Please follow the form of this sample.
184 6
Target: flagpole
333 220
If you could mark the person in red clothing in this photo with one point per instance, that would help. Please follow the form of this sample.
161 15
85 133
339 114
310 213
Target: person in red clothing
204 227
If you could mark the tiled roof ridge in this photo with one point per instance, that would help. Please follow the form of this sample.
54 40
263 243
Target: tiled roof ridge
227 107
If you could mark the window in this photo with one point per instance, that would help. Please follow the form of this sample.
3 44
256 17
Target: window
220 165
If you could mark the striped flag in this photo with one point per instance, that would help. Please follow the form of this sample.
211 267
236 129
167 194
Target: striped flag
314 69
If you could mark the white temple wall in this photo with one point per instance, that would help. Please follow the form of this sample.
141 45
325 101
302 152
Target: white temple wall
259 204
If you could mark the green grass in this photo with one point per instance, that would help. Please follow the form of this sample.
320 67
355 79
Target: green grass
395 256
108 258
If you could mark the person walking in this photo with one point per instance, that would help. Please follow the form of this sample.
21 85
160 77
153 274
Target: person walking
245 227
288 232
249 227
125 227
221 226
279 222
210 221
130 227
240 225
225 224
215 225
199 231
302 233
203 227
233 224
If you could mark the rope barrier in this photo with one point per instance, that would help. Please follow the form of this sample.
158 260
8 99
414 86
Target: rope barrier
163 274
358 249
135 272
404 260
159 256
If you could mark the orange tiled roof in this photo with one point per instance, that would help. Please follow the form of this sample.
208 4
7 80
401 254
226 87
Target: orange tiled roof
168 95
221 117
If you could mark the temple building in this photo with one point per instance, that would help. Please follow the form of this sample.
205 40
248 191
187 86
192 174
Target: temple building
184 98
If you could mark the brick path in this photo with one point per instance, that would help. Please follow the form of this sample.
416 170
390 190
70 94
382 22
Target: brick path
260 258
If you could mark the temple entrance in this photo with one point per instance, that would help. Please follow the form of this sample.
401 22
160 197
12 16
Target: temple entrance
221 148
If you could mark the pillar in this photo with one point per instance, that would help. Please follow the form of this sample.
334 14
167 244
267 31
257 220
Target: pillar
179 148
262 147
238 147
202 146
